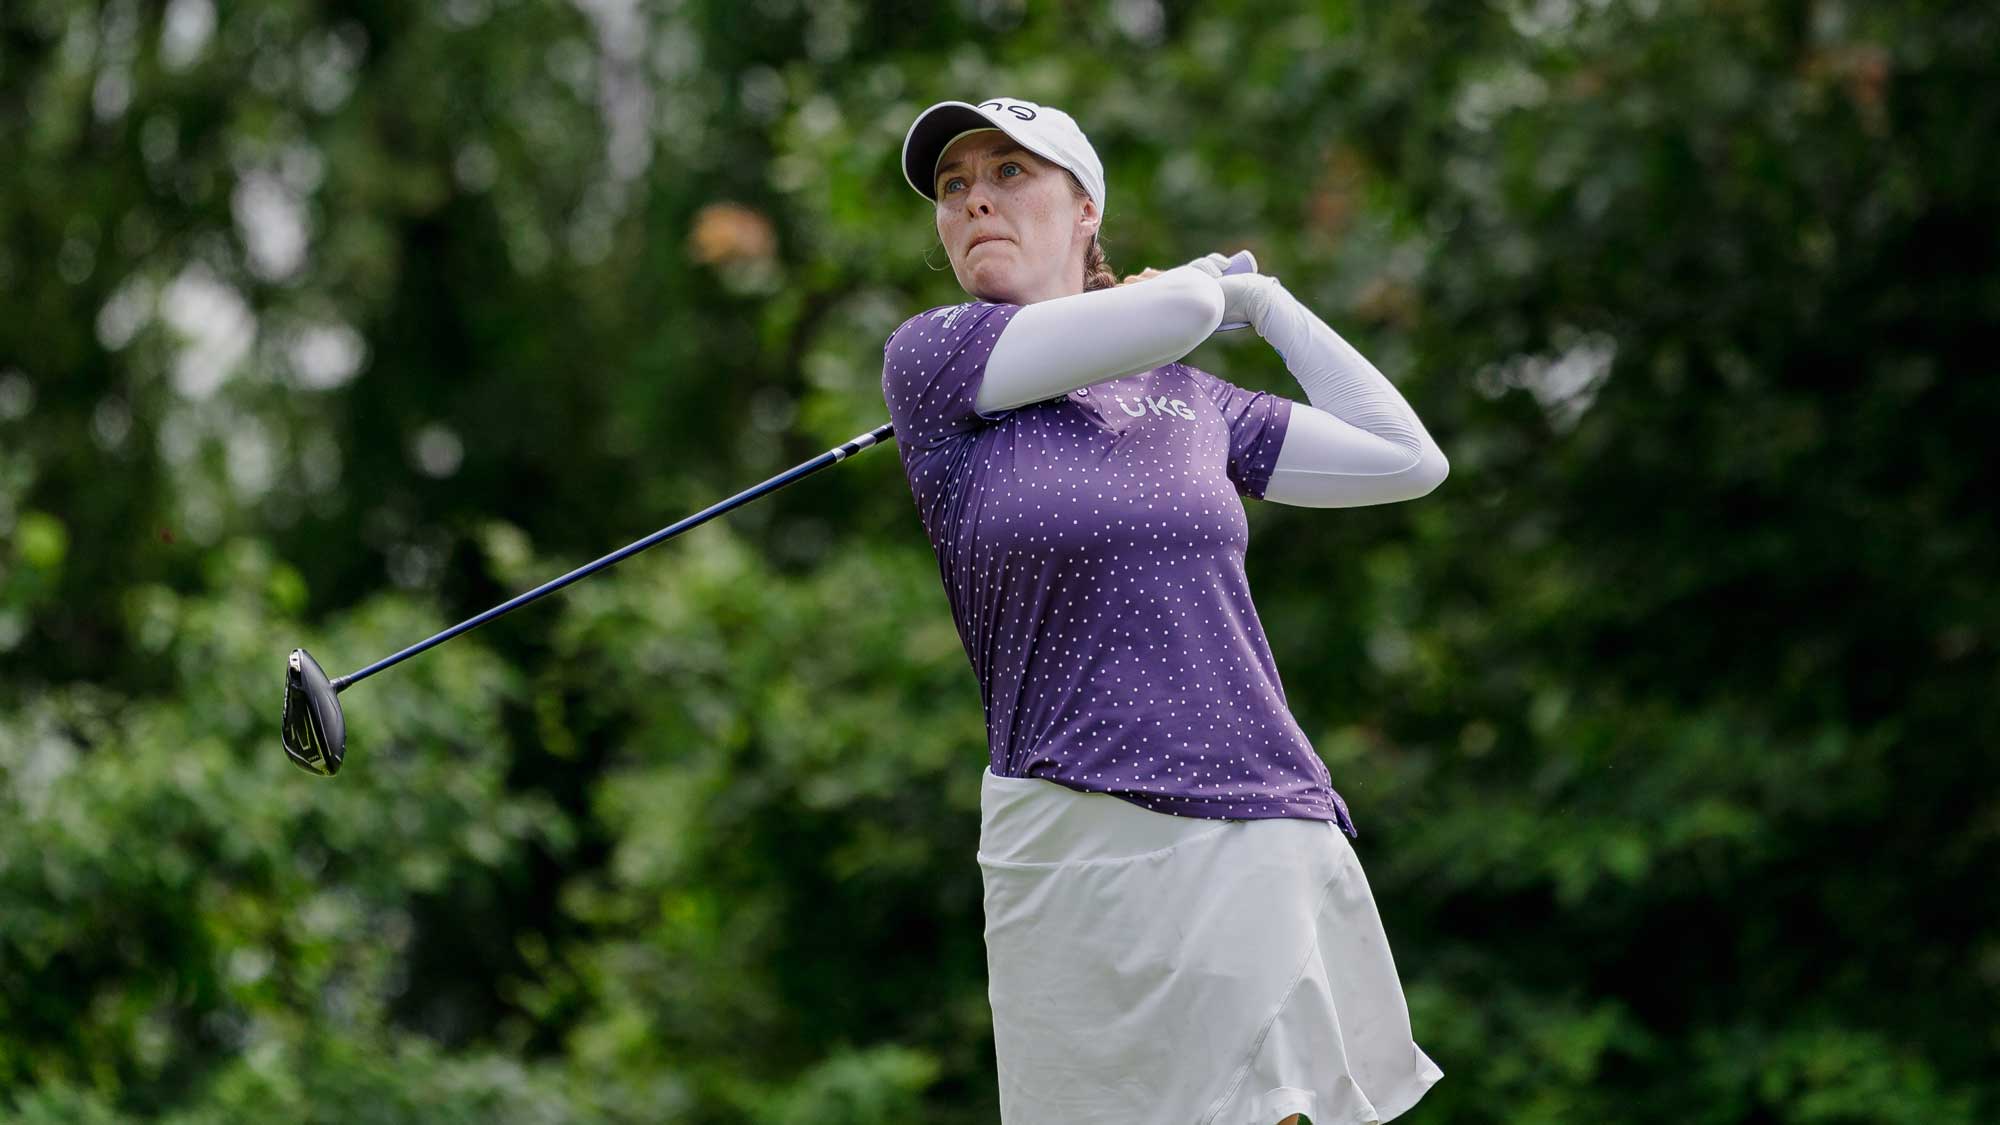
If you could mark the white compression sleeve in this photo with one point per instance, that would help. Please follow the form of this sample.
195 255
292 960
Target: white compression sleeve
1053 347
1359 442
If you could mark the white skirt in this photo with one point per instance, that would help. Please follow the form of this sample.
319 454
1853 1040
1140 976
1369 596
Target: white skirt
1150 969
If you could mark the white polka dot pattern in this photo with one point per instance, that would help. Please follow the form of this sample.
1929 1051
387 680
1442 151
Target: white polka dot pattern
1092 549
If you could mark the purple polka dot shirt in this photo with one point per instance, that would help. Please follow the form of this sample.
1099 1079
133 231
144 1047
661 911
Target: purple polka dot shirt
1092 550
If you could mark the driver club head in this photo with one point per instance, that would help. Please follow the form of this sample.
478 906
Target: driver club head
314 732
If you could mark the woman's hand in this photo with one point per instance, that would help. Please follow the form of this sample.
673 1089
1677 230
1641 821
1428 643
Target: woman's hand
1247 298
1246 294
1211 264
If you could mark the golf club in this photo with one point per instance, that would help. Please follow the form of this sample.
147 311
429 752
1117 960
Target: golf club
314 730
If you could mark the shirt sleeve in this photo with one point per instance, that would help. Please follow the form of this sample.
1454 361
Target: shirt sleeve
932 367
1257 423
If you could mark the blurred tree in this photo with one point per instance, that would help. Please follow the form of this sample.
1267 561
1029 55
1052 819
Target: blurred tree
329 324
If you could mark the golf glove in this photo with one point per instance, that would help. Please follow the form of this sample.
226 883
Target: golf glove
1248 298
1214 264
1246 294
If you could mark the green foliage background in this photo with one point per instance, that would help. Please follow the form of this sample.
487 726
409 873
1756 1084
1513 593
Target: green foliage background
1667 720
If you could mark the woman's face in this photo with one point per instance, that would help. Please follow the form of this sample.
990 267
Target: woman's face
1034 226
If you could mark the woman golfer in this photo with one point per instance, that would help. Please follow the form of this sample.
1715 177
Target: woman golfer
1178 931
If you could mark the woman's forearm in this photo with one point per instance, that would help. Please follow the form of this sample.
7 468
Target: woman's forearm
1053 347
1360 442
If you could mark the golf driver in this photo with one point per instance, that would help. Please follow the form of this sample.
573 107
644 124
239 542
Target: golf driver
314 730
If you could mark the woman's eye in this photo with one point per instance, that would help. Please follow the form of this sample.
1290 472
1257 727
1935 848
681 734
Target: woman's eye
1018 169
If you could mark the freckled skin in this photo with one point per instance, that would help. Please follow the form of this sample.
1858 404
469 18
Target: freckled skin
1045 229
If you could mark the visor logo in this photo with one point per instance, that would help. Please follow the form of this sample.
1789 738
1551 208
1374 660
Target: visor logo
1025 113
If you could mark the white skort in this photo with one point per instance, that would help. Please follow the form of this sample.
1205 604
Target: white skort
1150 969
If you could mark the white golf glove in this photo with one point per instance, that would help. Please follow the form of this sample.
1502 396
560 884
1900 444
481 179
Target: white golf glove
1247 298
1246 294
1215 265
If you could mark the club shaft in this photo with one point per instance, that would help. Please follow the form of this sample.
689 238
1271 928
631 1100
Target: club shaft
838 453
